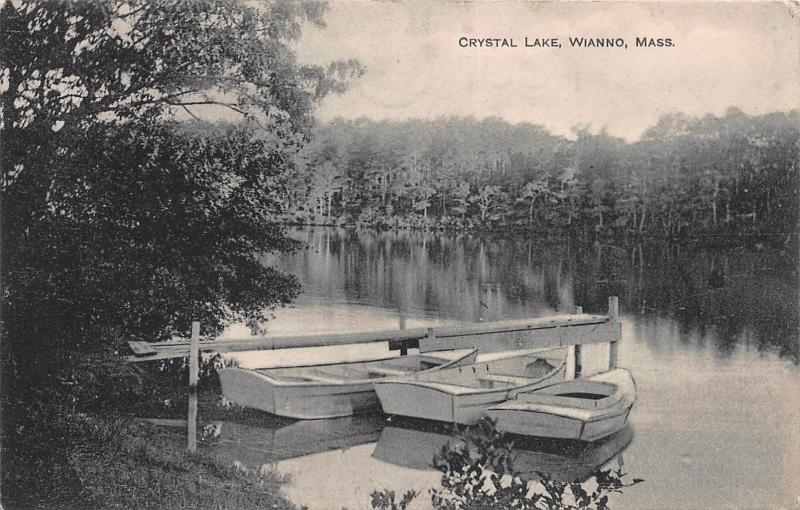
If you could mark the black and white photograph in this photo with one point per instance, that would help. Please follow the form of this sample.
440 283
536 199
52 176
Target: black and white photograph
400 255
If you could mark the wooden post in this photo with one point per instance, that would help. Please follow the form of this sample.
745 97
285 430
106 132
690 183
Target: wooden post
194 368
613 314
569 368
574 352
431 334
403 346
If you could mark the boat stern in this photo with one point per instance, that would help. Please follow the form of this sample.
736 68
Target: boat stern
248 388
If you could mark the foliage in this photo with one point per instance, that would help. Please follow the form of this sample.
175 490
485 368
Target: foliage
385 500
686 176
121 218
117 219
478 473
115 463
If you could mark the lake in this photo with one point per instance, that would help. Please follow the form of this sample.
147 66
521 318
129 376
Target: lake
709 333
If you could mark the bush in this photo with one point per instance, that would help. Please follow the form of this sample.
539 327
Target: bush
478 473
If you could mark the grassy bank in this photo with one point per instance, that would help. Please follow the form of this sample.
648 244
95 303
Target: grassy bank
137 466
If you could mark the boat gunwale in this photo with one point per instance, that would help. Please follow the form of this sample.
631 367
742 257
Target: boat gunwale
611 387
597 417
554 396
281 382
626 402
471 390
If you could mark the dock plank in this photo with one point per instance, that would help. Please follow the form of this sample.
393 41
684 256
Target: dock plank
448 337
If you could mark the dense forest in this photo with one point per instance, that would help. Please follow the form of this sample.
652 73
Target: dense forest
735 174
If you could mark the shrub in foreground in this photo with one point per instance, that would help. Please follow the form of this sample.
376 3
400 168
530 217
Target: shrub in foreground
478 473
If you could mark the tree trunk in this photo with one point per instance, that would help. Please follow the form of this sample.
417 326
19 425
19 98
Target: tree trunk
571 207
714 201
641 223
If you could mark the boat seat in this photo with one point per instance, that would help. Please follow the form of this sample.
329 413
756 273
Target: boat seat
387 371
380 371
510 379
320 377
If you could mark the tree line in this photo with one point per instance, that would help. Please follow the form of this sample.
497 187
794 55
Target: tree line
685 176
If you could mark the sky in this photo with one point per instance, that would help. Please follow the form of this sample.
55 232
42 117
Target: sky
725 54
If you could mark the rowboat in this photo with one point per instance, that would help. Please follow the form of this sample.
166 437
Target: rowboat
584 409
327 391
461 394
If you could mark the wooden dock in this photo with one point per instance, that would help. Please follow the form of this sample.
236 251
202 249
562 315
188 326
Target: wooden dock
571 331
555 331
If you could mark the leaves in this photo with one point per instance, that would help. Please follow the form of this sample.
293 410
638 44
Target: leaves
478 472
385 500
126 220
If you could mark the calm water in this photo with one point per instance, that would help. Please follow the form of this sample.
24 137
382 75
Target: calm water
711 336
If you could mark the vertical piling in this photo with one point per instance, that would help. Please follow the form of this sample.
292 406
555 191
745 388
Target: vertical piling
577 356
574 352
431 334
613 315
194 369
403 346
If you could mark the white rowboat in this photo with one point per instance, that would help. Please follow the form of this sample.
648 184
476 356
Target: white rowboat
584 409
327 391
462 394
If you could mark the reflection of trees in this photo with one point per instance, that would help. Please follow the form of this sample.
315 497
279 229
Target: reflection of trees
739 295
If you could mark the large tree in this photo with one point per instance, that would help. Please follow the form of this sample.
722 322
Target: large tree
122 214
119 216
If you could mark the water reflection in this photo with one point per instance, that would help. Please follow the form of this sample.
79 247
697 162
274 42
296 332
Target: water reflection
395 444
413 444
710 334
274 439
733 296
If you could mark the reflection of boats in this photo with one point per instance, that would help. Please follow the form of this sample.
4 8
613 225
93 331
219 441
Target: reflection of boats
563 460
585 409
326 391
461 394
263 443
